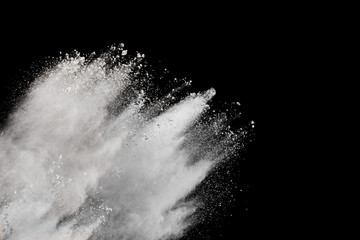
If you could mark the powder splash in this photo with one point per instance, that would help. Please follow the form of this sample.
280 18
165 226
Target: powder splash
96 151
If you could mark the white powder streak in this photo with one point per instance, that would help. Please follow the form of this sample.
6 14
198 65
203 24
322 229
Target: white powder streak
69 170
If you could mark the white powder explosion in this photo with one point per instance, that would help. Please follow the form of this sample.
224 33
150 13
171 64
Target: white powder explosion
93 152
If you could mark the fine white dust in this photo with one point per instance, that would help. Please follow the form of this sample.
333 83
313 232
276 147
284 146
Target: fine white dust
96 151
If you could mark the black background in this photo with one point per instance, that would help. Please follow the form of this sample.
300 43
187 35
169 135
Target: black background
233 49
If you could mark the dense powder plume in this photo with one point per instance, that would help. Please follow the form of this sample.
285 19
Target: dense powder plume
96 150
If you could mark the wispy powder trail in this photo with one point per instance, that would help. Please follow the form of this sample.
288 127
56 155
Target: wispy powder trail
94 152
